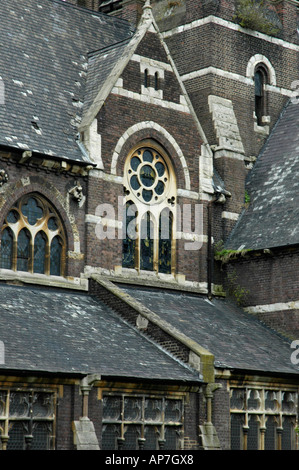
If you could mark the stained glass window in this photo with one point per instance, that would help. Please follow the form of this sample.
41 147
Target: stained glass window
33 238
149 184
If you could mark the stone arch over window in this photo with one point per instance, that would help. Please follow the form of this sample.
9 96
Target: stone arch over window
152 126
150 209
259 60
33 237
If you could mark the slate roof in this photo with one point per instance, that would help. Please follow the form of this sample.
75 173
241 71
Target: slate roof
100 65
271 220
73 333
43 64
237 339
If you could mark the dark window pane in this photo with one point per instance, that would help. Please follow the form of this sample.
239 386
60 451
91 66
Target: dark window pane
129 240
134 182
147 195
165 238
171 438
132 411
109 436
12 217
135 162
237 422
41 436
258 83
146 244
32 211
52 224
131 437
6 249
151 438
148 156
55 257
39 253
287 434
23 250
160 188
253 434
16 439
160 168
147 176
270 433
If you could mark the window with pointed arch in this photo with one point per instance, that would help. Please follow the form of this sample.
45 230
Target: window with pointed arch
150 210
33 238
260 80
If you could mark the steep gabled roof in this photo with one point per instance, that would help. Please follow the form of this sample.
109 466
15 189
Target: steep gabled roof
271 219
43 65
107 65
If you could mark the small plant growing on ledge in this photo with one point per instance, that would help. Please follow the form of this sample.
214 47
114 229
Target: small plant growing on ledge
254 15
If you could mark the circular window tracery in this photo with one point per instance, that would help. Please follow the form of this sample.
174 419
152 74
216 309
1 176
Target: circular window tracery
148 175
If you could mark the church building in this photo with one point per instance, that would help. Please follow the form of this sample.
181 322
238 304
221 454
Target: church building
149 163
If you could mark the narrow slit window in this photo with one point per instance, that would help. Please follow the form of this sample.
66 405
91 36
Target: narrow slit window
156 81
260 98
146 78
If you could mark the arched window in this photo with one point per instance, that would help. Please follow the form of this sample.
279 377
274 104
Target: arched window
260 80
150 211
32 238
146 78
156 81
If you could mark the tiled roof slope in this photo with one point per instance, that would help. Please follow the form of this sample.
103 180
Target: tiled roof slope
271 220
73 333
100 65
43 63
236 339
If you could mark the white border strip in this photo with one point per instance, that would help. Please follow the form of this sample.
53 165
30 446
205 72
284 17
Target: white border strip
233 76
232 26
273 307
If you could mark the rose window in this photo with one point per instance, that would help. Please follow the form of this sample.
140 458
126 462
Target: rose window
148 176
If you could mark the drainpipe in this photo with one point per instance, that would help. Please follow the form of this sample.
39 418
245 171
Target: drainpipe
85 387
210 251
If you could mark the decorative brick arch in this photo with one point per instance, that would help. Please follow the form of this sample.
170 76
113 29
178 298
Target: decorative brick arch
150 125
261 59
